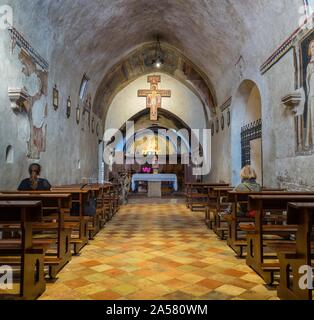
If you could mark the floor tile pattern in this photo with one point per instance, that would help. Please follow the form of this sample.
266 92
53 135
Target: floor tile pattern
160 251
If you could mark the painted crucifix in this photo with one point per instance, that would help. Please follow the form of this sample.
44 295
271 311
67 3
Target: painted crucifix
154 96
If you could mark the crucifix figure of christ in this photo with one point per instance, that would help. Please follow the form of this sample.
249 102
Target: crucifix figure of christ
154 96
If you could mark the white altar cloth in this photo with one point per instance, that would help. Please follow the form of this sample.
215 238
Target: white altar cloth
156 178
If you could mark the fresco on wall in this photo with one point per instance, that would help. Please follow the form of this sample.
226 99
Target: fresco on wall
304 120
307 76
39 139
36 84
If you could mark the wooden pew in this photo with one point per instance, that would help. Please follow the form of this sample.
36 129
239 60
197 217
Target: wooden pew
215 205
236 238
57 204
295 256
107 203
197 194
256 257
25 254
111 200
108 199
95 221
79 197
99 190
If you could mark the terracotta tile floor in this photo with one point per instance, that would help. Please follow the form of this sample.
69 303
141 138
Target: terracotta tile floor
160 251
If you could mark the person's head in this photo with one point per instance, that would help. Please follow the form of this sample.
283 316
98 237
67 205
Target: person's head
311 49
248 173
34 170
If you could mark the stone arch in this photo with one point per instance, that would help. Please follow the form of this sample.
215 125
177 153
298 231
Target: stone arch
246 111
136 64
184 103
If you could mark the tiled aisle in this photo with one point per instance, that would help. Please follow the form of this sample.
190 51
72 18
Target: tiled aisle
160 251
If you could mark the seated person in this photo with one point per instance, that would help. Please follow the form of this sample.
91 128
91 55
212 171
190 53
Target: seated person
34 183
248 180
248 184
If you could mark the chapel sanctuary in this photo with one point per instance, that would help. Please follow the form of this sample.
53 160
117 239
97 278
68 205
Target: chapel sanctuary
156 150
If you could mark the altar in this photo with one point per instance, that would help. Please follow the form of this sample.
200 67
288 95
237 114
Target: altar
154 182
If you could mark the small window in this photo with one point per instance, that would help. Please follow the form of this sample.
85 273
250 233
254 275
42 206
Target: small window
9 154
83 87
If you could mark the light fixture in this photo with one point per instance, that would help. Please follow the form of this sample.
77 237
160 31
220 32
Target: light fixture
158 60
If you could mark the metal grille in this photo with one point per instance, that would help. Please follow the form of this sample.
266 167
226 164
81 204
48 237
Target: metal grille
249 132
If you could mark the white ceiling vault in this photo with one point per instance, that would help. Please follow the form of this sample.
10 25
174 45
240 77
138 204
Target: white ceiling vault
94 35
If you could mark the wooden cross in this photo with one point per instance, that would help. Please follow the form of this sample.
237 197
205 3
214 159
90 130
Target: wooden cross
154 96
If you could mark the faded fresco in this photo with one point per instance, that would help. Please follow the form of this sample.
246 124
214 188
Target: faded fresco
138 63
305 120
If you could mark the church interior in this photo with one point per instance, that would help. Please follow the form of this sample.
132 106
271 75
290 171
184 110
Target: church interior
156 151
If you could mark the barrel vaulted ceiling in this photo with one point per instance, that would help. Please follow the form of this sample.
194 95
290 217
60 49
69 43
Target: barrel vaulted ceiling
94 35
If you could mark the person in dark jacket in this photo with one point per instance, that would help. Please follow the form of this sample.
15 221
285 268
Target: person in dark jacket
34 183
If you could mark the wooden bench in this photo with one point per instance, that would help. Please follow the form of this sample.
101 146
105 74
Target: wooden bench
236 239
197 194
79 198
111 200
217 196
25 254
53 225
97 192
295 256
256 241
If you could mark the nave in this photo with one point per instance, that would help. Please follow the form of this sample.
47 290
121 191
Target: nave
162 252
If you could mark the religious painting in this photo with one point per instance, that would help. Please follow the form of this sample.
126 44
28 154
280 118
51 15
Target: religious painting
154 96
305 122
69 105
55 98
37 142
78 114
39 138
307 76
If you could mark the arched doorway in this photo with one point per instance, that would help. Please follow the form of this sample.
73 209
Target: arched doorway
184 110
169 140
246 130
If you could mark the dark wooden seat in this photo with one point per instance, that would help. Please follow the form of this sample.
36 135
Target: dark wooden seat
217 197
234 220
28 257
80 196
292 257
197 193
55 208
256 241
